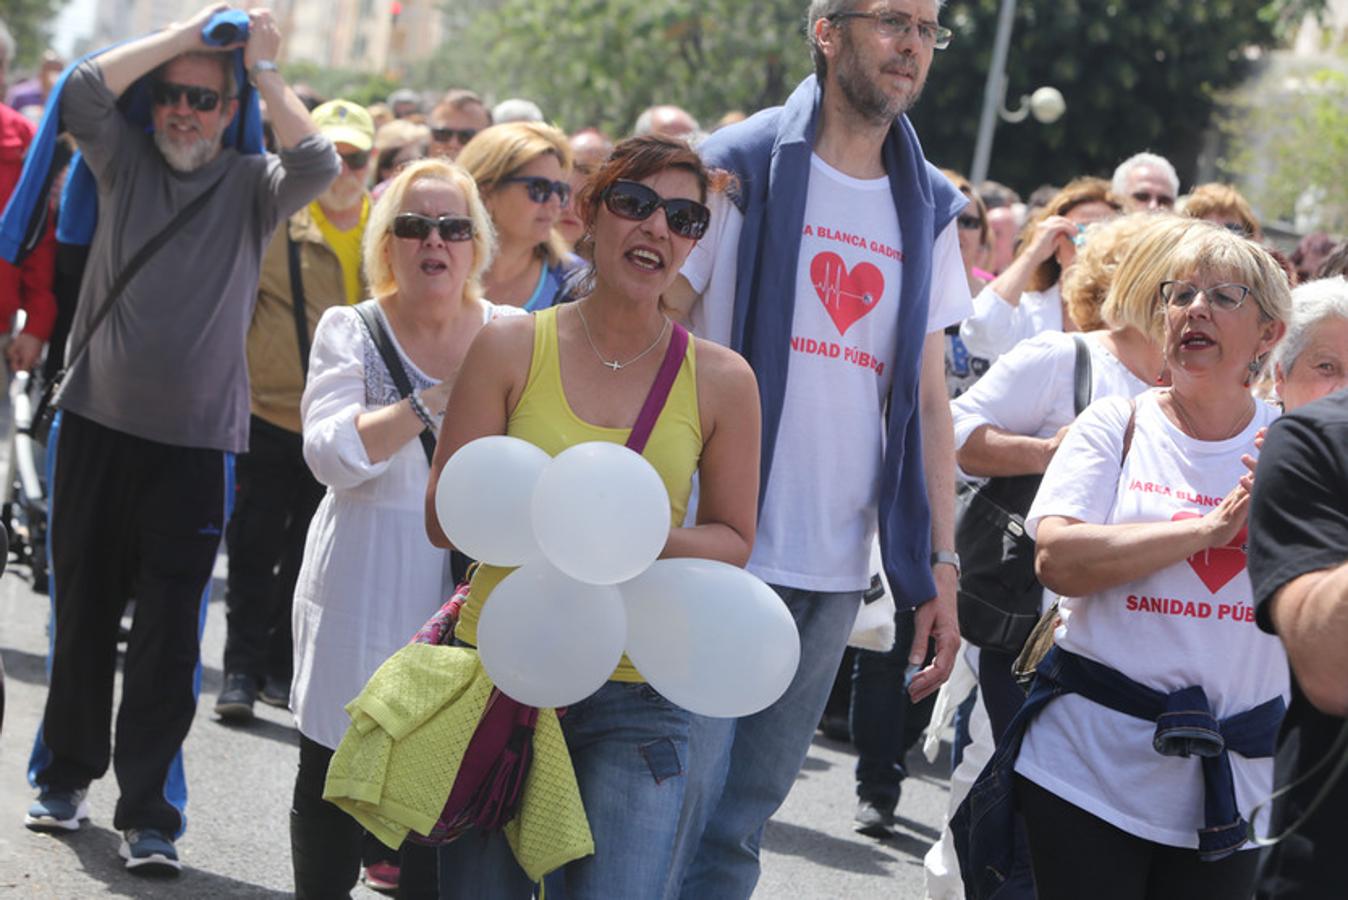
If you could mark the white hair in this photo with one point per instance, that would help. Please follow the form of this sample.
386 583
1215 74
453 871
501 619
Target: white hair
1119 184
1312 303
516 109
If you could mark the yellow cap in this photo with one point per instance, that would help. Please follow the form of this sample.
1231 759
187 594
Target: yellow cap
344 122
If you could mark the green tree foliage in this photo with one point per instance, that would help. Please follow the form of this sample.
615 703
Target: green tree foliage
600 62
1136 75
358 87
1288 140
30 22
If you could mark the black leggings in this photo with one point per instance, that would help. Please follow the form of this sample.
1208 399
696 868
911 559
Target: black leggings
325 843
1076 854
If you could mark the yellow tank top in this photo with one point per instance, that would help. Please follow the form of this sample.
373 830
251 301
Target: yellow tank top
543 417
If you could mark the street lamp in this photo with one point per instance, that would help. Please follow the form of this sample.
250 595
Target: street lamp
1046 104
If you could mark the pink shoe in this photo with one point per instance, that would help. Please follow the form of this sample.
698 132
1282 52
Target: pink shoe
382 876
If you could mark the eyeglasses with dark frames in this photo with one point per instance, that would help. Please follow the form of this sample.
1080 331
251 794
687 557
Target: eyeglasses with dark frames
541 189
897 25
636 202
167 93
417 227
444 135
1226 297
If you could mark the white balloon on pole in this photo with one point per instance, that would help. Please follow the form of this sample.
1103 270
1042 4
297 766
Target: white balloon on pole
710 636
548 640
600 513
484 498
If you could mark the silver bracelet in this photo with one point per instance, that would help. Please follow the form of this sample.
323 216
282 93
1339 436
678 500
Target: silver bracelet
422 413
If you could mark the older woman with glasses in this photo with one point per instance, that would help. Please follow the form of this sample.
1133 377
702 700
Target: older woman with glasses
369 578
580 372
1148 733
522 170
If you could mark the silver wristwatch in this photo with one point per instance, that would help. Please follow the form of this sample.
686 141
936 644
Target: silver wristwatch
257 68
949 558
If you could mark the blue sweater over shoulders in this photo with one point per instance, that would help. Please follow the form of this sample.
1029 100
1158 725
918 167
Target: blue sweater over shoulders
770 154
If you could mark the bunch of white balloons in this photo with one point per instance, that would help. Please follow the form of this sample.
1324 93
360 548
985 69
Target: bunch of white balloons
584 530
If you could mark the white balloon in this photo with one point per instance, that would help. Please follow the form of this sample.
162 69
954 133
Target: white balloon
484 496
546 639
710 637
600 513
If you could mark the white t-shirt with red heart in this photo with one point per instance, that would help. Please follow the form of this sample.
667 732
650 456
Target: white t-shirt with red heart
819 514
1191 623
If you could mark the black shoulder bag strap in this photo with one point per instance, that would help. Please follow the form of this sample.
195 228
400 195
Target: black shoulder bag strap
1081 375
384 344
50 399
297 299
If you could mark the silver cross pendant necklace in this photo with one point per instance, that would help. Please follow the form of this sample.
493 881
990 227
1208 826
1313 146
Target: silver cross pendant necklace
614 364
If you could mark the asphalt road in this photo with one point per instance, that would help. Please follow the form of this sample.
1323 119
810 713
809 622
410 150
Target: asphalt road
240 780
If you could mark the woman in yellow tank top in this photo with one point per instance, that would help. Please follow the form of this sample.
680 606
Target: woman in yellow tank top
580 372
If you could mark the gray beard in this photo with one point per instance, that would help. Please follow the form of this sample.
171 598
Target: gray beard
868 101
187 158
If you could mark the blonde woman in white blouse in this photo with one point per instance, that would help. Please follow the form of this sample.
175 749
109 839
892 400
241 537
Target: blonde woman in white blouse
370 577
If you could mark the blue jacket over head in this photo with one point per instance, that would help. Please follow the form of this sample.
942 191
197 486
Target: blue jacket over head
770 154
25 216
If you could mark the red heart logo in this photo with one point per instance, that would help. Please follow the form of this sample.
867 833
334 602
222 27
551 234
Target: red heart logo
1216 566
847 296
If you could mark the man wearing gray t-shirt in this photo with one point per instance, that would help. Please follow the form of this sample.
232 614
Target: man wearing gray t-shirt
154 411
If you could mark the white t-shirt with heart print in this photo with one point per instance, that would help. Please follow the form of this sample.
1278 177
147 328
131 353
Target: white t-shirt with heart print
1191 623
819 514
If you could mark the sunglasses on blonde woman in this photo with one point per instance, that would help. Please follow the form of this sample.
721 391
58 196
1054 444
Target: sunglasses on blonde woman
541 189
416 227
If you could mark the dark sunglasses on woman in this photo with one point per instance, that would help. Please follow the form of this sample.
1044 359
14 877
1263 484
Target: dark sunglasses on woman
970 223
414 226
541 189
635 202
166 93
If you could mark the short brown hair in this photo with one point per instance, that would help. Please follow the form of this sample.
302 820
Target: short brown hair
1222 201
1078 192
632 160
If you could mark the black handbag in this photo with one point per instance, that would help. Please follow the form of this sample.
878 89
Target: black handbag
999 595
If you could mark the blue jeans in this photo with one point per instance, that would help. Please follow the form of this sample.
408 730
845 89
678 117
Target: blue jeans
628 745
740 770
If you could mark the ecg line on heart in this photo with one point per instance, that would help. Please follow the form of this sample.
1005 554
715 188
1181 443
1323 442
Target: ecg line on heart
830 287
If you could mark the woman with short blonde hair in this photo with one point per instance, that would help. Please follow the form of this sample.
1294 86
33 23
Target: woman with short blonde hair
522 171
1148 732
369 579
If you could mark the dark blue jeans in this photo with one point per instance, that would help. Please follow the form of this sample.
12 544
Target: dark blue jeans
885 724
